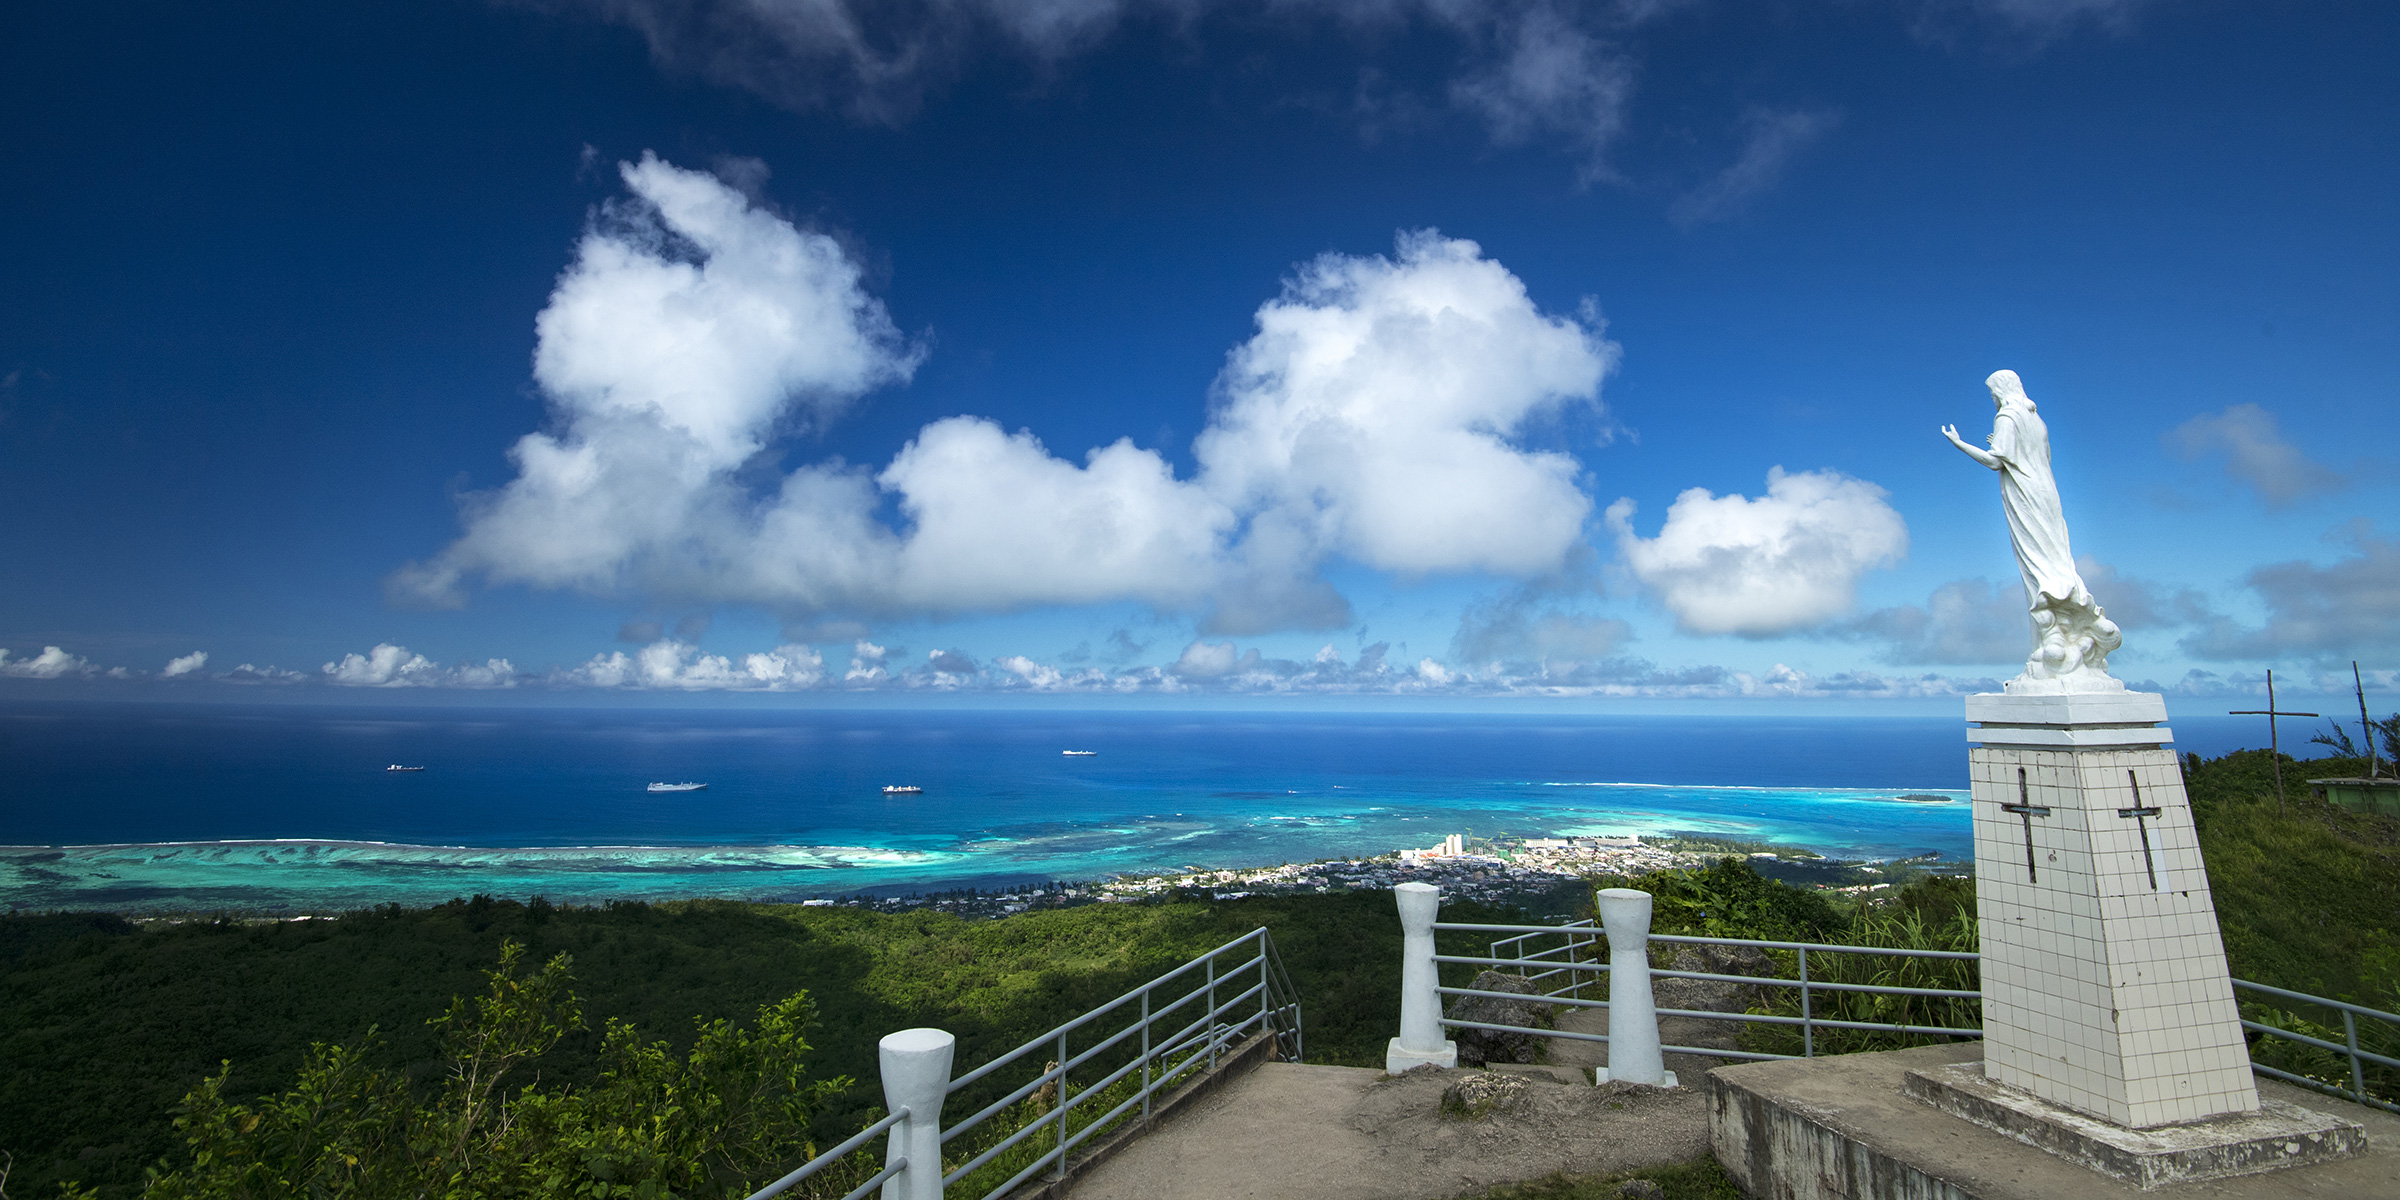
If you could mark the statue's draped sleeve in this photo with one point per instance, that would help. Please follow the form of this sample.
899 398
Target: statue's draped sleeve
2037 523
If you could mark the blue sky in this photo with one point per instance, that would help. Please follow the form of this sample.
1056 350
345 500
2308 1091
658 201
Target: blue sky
1191 349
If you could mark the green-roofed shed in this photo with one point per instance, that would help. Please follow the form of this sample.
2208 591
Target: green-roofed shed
2361 795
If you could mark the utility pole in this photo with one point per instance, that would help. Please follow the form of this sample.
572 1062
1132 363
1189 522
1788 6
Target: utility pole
2366 724
2274 743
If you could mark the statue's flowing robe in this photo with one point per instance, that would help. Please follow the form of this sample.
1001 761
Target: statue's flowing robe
2037 524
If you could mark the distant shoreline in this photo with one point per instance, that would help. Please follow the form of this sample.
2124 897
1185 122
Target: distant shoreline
1533 873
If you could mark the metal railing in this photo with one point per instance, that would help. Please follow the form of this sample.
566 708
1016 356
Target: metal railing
1569 956
1565 958
1127 1051
1572 949
2348 1047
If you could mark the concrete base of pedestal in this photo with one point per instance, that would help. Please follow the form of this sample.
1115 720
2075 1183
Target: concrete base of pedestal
2275 1136
1600 1075
1843 1128
1397 1061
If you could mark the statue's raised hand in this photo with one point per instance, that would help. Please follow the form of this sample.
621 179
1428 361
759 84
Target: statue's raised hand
1978 453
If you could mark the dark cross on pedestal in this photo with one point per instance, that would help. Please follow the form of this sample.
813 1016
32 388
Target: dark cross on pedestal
2137 813
2274 744
2026 811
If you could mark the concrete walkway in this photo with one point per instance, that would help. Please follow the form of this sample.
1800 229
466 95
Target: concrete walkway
1286 1130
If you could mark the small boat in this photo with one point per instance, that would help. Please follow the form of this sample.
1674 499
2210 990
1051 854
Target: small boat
398 767
1079 753
677 787
903 789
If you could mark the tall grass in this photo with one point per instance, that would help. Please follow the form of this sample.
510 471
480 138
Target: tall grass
1883 926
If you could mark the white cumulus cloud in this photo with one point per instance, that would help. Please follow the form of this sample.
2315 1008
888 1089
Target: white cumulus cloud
1372 417
1211 660
391 666
673 665
689 326
1374 406
1787 561
999 522
1040 677
51 663
186 664
867 663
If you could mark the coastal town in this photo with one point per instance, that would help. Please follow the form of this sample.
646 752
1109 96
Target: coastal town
1533 873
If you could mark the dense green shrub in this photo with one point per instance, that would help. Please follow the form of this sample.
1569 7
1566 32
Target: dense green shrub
1728 899
654 1126
106 1026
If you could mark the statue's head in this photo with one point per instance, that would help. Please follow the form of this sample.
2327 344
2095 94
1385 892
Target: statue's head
2007 389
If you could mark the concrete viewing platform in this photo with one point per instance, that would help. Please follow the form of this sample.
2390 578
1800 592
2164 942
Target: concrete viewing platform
1282 1130
1853 1126
1288 1131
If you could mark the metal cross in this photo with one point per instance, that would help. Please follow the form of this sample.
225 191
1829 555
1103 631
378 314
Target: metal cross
2137 812
2274 744
2026 811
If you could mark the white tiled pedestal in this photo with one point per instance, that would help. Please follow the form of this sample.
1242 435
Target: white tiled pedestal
2104 981
2111 1040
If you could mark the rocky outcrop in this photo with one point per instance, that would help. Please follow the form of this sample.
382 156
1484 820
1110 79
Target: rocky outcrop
1710 994
1478 1094
1478 1047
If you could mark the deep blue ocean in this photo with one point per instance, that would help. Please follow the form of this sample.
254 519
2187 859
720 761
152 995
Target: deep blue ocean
268 808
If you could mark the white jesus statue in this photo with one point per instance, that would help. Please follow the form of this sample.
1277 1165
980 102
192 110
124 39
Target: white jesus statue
2072 637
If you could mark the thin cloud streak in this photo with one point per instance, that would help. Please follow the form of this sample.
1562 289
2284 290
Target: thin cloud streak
2256 454
2348 609
1772 139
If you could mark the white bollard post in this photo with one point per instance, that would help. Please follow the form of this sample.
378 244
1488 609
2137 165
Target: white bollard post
1632 1013
916 1075
1420 1041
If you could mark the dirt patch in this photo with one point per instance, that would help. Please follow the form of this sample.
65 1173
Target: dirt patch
1347 1133
1539 1127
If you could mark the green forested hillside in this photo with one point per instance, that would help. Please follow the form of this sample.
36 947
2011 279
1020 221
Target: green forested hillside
2308 896
105 1026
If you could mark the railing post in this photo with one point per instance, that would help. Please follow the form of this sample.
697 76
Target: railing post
1266 990
1574 977
1633 1055
1420 1042
1060 1172
1145 1053
915 1064
1212 1012
1808 1027
2358 1068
